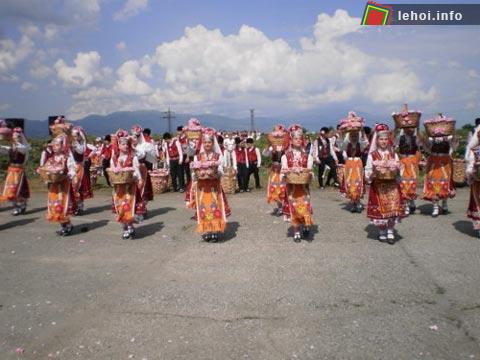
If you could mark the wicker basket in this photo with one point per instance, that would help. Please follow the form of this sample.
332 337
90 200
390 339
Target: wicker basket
352 128
207 174
386 174
410 121
459 171
275 140
440 128
194 134
61 129
161 181
52 177
301 178
229 181
121 177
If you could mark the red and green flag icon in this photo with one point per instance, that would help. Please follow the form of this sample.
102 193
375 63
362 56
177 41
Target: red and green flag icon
376 14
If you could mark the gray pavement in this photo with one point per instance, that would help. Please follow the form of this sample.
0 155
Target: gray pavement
257 295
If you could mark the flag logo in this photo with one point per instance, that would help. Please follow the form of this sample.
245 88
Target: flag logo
376 14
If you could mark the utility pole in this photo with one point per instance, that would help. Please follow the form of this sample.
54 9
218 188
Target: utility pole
252 119
169 115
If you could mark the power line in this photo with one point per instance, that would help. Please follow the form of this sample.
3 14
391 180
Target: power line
252 119
169 115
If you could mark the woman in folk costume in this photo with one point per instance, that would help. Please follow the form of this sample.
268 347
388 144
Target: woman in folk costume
407 145
472 157
297 205
61 198
146 154
127 202
438 184
206 195
385 202
276 188
16 188
82 187
354 143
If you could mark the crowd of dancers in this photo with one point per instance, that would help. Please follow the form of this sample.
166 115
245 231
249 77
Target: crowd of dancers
384 160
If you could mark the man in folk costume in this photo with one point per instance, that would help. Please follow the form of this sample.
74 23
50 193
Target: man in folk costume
297 205
242 165
145 153
408 148
438 184
174 159
472 157
385 202
276 188
82 188
324 155
206 196
127 200
16 188
184 173
254 162
61 197
106 155
354 184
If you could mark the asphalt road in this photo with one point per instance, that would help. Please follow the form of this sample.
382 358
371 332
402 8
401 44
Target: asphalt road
257 295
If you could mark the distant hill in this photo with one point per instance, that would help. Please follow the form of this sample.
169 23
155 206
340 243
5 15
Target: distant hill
106 124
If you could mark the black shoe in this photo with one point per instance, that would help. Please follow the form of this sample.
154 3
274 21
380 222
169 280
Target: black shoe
305 233
78 212
181 190
66 230
413 209
391 241
353 209
214 238
126 235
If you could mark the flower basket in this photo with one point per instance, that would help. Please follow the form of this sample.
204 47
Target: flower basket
194 134
443 128
385 169
407 119
459 171
161 181
5 134
120 177
302 177
52 175
276 139
61 129
206 173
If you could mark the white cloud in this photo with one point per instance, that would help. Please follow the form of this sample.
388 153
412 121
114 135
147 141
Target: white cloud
39 71
129 9
205 70
86 70
128 82
4 107
473 74
27 86
12 53
121 46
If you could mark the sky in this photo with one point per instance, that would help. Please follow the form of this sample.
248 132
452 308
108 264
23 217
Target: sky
282 57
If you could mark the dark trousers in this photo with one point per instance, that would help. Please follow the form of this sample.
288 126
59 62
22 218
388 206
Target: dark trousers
321 168
175 174
253 169
242 176
184 173
105 166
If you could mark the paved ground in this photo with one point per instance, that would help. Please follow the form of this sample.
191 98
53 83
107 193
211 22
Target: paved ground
257 295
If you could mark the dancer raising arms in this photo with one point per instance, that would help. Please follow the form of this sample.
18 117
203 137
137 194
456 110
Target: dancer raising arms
16 188
298 163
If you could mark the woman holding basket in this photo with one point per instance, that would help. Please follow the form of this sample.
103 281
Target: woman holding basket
297 166
124 174
206 196
58 172
385 202
472 157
